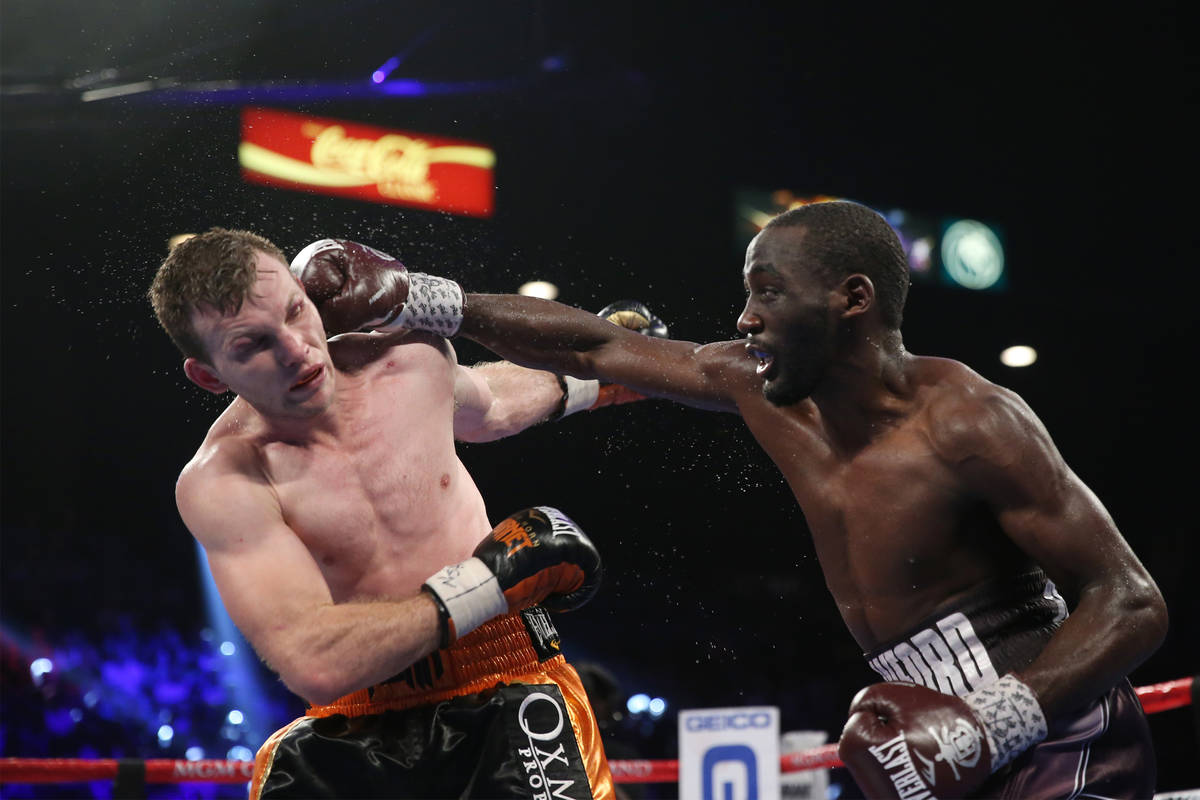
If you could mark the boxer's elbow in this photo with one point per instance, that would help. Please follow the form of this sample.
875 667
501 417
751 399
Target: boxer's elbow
1142 613
311 672
317 685
1152 608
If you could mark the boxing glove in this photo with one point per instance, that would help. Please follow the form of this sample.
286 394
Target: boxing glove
578 394
904 740
356 288
635 316
536 556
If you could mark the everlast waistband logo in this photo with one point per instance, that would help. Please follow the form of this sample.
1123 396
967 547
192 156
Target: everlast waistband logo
542 633
948 658
894 756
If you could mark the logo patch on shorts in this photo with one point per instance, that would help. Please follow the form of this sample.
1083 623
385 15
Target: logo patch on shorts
543 743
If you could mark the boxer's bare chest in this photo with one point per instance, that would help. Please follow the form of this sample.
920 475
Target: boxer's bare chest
895 529
384 501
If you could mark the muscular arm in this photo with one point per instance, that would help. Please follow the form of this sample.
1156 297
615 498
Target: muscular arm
498 399
276 595
1007 458
547 335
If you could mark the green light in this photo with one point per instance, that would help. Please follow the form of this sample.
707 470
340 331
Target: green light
972 254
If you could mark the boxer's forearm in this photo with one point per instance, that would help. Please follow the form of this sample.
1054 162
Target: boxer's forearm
343 647
1112 630
535 333
499 399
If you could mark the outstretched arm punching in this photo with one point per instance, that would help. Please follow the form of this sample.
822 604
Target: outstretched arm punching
544 334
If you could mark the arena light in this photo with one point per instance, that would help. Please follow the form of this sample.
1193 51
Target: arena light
947 250
240 753
543 289
165 734
972 254
638 703
39 668
194 753
657 707
380 75
1019 355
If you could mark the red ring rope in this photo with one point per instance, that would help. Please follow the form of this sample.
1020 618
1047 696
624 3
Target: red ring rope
1155 698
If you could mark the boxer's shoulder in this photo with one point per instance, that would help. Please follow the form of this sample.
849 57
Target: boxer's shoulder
232 446
962 412
353 352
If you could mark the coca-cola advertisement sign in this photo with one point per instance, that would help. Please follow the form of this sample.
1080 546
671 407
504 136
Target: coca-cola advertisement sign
349 159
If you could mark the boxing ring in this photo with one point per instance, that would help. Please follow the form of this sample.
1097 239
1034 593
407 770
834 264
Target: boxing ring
129 775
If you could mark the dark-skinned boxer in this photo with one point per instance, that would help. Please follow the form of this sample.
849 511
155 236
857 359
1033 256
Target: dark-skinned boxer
945 519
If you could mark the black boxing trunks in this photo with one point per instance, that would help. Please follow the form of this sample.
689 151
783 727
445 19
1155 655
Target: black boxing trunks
499 714
1103 750
998 629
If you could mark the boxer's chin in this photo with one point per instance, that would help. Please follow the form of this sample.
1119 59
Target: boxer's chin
779 391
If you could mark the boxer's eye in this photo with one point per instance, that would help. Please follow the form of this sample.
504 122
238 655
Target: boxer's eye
248 347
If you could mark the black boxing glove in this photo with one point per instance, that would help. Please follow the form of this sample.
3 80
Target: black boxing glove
536 556
635 316
356 288
904 740
578 394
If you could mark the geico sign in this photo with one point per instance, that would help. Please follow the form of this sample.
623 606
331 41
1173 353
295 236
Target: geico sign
729 722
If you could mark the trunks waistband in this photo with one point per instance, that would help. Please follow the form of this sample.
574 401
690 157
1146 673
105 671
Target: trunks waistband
498 651
1000 628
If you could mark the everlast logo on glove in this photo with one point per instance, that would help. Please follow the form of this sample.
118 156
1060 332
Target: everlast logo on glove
895 759
560 523
907 741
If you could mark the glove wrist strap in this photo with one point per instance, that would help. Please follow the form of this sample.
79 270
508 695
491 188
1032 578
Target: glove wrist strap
1011 717
434 304
577 395
470 595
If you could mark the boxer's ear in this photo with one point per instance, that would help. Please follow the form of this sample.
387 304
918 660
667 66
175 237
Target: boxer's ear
855 294
204 376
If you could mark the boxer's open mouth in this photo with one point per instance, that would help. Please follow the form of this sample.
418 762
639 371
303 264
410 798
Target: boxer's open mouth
765 359
308 377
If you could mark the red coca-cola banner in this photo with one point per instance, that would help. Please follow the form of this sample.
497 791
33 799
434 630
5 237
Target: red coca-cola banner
348 159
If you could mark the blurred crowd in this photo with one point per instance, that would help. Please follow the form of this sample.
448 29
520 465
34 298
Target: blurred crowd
130 693
123 691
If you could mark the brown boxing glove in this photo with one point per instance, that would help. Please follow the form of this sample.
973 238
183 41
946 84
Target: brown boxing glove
358 288
906 741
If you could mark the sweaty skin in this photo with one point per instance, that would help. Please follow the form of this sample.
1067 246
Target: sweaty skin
919 480
330 488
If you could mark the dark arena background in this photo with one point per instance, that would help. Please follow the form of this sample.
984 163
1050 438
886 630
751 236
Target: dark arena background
636 148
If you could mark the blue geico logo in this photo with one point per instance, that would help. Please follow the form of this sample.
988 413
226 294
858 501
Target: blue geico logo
729 722
729 772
